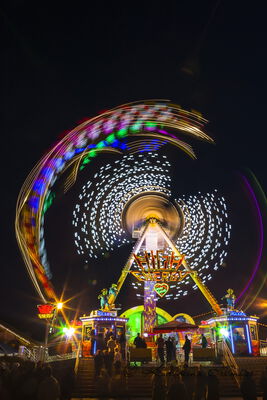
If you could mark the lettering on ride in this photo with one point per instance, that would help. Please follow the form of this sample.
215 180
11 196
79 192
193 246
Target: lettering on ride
160 267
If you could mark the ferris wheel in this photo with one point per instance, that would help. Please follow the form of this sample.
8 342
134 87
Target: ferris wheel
178 241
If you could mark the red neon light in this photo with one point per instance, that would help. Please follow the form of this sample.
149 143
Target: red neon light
45 308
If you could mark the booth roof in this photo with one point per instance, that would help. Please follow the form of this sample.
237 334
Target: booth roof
174 326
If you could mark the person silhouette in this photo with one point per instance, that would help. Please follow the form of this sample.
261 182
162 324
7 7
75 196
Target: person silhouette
186 348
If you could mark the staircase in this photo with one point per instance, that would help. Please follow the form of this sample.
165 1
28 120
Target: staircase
253 364
84 382
139 380
227 384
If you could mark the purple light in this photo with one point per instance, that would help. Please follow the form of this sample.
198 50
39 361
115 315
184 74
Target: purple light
261 238
166 133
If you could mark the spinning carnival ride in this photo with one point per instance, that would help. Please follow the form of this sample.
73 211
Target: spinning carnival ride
176 240
132 197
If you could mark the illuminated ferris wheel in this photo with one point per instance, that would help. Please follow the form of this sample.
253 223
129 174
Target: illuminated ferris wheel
179 242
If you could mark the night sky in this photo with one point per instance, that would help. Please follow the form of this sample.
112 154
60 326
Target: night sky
64 62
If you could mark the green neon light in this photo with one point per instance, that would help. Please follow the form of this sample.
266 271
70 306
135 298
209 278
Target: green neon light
111 138
92 153
86 160
151 124
122 132
100 145
135 320
135 127
48 201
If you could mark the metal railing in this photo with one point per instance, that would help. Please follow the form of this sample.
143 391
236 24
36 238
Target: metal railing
40 353
60 357
78 354
35 354
229 361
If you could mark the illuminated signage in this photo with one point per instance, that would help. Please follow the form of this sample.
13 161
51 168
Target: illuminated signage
42 316
159 267
45 308
46 311
161 288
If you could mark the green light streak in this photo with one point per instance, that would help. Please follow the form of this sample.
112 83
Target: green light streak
122 132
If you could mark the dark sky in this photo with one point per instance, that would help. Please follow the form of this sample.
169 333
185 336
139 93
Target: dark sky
64 62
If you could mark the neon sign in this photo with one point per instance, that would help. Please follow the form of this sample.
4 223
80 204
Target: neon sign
159 267
161 288
46 311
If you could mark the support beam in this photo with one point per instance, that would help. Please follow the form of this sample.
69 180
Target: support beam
205 291
130 261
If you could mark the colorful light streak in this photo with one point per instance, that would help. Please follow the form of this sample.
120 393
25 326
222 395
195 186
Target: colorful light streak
261 237
78 148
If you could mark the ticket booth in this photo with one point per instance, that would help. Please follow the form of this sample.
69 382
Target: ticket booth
95 327
239 330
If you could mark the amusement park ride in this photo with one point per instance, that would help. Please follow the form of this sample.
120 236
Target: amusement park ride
148 215
158 267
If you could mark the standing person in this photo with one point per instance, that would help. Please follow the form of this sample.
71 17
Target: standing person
186 348
204 342
106 335
188 378
122 342
107 359
143 344
176 387
200 386
212 386
160 347
169 349
248 387
263 383
102 384
29 386
98 361
48 388
100 343
138 342
117 358
111 344
173 349
158 386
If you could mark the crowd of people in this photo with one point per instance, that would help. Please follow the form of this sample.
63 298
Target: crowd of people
27 380
108 362
182 384
166 349
185 385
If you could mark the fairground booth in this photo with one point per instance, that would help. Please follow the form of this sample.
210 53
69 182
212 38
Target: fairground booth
96 325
